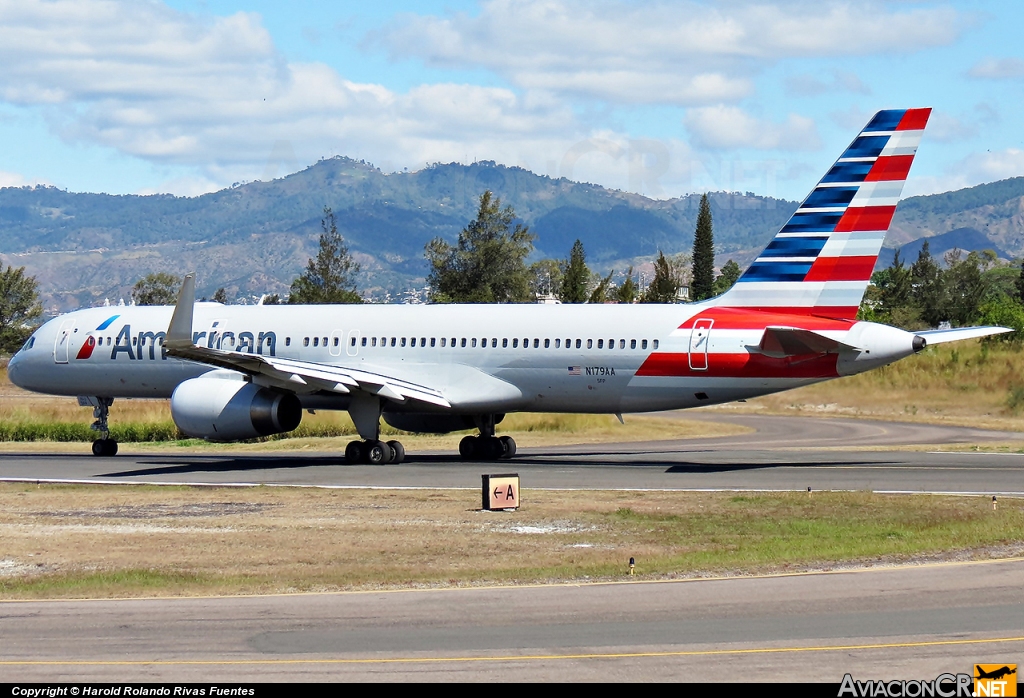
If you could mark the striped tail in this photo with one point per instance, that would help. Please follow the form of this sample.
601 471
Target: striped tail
821 261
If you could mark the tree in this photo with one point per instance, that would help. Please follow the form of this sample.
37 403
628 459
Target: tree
627 290
487 264
220 296
964 287
328 279
546 277
926 288
1020 283
897 288
703 254
665 284
575 276
600 293
19 308
729 275
156 289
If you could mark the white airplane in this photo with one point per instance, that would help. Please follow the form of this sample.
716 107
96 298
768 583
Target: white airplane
236 372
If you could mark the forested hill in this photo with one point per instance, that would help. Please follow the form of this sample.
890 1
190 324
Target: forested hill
256 238
994 210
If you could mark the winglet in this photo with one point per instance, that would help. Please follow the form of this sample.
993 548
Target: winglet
179 332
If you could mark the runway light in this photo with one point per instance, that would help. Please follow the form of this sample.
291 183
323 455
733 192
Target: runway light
808 491
993 502
632 564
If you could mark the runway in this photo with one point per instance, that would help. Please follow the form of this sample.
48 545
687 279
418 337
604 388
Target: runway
783 453
909 623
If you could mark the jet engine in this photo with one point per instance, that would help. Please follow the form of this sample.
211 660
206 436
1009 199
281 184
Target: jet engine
222 406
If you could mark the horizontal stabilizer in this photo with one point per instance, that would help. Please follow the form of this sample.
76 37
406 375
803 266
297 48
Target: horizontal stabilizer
780 342
955 335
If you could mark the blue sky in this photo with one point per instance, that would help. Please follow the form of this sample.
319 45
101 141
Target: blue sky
658 98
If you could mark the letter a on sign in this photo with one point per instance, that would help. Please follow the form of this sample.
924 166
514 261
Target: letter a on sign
500 491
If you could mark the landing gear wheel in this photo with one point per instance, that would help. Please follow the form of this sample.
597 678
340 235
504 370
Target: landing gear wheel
354 452
508 446
397 452
104 447
377 452
492 448
468 447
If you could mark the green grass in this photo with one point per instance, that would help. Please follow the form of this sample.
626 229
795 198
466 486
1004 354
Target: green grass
126 582
754 531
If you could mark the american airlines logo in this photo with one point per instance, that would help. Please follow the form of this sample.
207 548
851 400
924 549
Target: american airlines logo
134 345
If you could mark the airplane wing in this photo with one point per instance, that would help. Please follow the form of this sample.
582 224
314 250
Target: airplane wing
296 376
779 342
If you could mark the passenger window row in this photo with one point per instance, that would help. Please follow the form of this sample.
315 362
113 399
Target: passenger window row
483 342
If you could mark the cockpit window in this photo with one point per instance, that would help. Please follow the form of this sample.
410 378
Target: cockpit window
29 344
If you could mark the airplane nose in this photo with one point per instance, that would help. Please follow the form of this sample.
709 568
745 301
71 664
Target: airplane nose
14 370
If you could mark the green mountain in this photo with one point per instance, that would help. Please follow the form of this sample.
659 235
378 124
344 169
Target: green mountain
996 210
255 238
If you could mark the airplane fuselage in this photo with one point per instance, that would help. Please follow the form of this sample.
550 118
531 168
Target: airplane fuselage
493 358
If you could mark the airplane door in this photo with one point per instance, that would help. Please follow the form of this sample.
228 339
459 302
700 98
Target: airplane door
62 343
335 342
352 348
699 336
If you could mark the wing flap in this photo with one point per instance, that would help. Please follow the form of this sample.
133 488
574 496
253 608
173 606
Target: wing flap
779 342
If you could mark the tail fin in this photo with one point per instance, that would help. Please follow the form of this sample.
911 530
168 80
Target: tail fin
821 260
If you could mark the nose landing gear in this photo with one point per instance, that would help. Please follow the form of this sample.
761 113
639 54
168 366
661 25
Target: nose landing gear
103 446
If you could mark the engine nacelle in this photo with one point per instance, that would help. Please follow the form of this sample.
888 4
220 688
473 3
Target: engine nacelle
880 345
223 407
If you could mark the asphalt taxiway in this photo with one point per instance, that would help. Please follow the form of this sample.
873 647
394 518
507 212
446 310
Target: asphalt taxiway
782 453
907 622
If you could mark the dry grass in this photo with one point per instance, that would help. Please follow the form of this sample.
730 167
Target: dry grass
99 542
963 383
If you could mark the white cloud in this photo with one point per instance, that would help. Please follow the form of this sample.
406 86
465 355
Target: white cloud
215 95
183 186
725 127
679 53
806 85
13 179
946 128
976 168
998 68
992 165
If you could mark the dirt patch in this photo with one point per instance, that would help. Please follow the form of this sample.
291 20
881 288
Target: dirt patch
162 511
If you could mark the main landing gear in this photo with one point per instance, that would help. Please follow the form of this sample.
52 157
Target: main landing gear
487 446
375 452
365 412
103 446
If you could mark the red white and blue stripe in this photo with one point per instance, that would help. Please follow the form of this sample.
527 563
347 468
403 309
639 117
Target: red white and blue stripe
820 262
